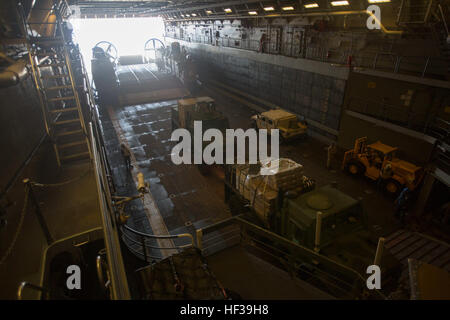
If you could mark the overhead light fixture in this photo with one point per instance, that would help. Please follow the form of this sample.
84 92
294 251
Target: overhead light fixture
208 11
311 5
227 10
194 14
288 8
182 15
339 3
378 1
252 13
269 8
188 15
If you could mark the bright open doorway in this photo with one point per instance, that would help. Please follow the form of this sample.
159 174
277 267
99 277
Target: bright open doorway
127 34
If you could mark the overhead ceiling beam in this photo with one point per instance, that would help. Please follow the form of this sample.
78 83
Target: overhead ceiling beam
219 4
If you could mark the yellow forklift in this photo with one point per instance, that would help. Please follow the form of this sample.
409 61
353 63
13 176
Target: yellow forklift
372 160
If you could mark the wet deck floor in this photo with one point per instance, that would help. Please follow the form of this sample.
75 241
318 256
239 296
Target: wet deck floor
144 83
187 199
183 196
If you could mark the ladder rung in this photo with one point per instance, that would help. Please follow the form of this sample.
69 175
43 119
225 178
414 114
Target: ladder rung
42 22
59 87
46 39
43 9
61 98
64 110
55 76
75 155
51 65
66 121
71 144
68 133
45 54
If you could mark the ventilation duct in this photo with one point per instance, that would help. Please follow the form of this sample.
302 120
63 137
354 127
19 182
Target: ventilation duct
13 74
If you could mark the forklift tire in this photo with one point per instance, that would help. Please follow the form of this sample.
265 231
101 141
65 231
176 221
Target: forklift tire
354 168
392 187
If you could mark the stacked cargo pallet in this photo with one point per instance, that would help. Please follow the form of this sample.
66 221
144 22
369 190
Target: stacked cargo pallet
261 189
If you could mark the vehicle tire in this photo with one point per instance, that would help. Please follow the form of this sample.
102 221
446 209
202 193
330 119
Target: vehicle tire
355 168
392 187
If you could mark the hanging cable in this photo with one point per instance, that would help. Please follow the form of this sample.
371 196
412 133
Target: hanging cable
19 227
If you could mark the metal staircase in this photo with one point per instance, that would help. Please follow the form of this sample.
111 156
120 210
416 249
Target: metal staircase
51 65
414 12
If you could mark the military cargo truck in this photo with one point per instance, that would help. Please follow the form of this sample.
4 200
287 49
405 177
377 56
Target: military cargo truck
198 109
286 122
324 220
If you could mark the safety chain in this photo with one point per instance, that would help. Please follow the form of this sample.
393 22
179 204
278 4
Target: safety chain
19 227
59 184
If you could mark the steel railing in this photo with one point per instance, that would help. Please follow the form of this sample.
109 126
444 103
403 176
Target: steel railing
24 285
306 264
422 66
116 268
134 238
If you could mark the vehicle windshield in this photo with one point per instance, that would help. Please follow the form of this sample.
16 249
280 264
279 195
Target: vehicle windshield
290 123
391 155
205 107
343 223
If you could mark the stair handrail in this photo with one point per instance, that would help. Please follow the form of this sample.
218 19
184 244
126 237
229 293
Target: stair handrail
443 19
23 285
119 283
